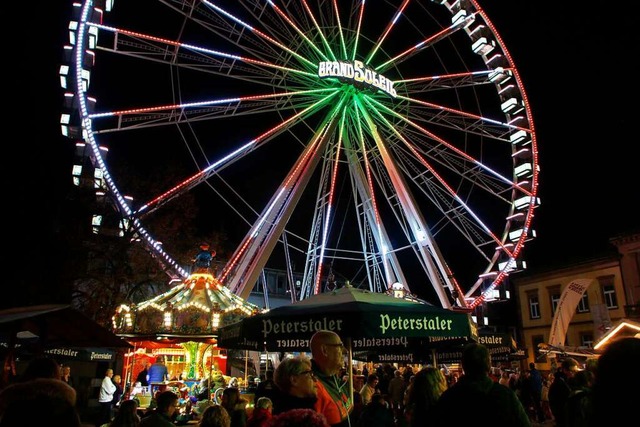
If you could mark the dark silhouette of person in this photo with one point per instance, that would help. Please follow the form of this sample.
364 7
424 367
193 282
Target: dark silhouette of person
267 388
615 393
536 391
376 413
142 375
38 402
42 367
561 387
299 417
478 392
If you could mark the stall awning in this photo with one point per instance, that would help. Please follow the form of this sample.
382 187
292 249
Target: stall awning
622 328
51 326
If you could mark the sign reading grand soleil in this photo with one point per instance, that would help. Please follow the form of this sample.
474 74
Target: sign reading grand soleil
357 72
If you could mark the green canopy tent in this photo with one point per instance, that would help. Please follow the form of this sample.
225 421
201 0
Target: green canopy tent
366 321
369 320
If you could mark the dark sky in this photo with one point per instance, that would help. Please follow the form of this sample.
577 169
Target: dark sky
576 64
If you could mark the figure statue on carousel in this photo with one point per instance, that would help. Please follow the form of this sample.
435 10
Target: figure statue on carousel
203 259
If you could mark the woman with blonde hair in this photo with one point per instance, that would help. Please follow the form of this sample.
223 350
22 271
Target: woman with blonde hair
427 386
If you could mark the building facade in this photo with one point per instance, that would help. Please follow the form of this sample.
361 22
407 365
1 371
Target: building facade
606 290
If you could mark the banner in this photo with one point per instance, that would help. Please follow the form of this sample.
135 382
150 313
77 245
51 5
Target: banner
569 300
89 354
84 354
497 339
502 348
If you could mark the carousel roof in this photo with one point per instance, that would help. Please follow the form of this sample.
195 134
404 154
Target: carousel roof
190 311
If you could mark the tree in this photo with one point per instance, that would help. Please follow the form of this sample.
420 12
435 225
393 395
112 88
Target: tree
114 266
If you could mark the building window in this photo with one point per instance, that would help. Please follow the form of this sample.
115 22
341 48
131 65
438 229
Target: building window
586 340
609 295
583 304
608 292
554 295
534 307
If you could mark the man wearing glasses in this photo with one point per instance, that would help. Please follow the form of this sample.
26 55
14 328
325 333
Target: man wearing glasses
327 353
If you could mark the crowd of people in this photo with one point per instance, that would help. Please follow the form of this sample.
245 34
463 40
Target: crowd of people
315 392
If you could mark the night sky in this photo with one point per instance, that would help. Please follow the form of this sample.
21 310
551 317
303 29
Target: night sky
576 64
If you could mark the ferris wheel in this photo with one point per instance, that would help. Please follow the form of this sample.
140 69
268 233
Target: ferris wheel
387 144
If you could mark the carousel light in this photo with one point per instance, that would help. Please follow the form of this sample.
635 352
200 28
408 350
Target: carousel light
215 320
167 319
216 314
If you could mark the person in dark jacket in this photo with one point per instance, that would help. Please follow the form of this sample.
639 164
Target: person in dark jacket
117 395
467 402
615 393
536 391
268 387
423 395
165 413
561 387
577 409
376 413
142 375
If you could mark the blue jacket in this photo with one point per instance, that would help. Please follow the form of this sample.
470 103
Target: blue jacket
158 372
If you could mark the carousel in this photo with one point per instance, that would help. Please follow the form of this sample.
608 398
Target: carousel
181 326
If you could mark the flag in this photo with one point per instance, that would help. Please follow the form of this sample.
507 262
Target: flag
566 307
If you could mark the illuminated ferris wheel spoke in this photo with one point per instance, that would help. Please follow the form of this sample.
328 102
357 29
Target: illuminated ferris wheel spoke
230 158
452 151
427 43
259 33
300 32
447 81
387 30
448 191
343 46
195 57
425 244
249 259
